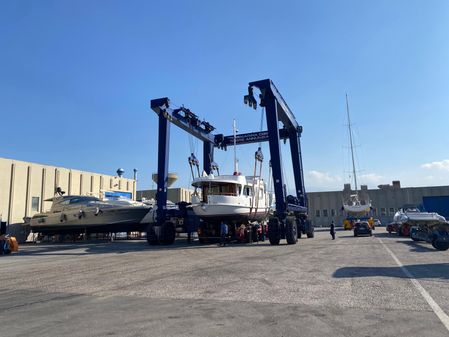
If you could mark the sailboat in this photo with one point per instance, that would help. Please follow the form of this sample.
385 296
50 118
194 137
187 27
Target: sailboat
231 198
354 205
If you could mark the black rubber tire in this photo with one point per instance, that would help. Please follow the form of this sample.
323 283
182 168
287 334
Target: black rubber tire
151 236
291 230
168 233
274 231
255 234
263 234
440 245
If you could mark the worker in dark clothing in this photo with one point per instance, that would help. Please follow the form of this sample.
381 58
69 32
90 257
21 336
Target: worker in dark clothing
223 233
332 230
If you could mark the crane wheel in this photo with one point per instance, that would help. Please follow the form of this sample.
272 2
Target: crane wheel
274 231
291 230
151 236
440 245
168 233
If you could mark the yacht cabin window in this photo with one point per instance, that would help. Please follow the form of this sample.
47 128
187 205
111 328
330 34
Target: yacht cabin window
248 191
228 189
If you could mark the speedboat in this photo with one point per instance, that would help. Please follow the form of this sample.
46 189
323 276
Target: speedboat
405 219
76 213
231 198
413 216
423 226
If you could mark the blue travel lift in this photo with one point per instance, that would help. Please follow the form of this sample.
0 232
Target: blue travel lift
290 217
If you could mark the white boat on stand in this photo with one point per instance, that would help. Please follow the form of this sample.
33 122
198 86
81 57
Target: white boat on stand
230 198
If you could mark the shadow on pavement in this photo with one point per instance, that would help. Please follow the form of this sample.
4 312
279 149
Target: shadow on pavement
419 271
118 247
380 234
415 246
418 247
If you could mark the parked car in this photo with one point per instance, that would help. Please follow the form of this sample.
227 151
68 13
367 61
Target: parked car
377 222
392 227
362 228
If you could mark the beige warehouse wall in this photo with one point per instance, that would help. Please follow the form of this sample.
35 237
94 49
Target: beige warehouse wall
5 178
21 182
173 194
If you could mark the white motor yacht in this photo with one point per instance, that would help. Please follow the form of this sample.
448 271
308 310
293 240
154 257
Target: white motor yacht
90 214
231 198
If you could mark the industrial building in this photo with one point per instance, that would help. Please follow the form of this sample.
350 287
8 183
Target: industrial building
173 194
25 186
385 201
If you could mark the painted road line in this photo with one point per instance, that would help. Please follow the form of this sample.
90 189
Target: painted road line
444 318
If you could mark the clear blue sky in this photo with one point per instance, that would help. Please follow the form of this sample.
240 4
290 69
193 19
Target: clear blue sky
76 78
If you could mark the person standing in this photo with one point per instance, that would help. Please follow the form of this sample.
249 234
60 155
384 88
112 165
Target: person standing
223 233
332 230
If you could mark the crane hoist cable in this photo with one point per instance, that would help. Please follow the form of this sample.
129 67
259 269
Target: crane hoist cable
258 158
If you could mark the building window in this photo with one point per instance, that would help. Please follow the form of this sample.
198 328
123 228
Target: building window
325 213
391 211
317 213
374 211
383 211
332 212
35 204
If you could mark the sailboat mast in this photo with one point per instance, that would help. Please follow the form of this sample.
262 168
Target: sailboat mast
352 145
234 129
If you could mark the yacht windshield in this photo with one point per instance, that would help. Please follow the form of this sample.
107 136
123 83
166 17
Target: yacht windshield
82 200
216 188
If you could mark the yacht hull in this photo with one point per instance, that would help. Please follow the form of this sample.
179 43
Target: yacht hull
91 220
229 213
419 218
357 208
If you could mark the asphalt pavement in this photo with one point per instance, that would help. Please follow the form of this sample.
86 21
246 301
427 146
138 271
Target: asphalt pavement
365 286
